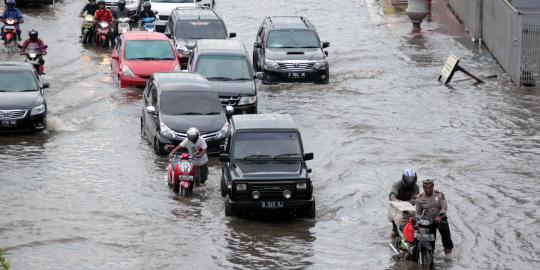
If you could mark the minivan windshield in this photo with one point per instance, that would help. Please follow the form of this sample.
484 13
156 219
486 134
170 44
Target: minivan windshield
149 50
292 39
223 67
274 145
190 103
197 29
173 1
17 81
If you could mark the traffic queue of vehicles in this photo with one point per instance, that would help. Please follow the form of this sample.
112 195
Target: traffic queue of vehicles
196 75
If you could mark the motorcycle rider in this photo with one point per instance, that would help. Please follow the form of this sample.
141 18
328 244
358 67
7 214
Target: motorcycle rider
196 146
12 12
89 8
121 11
434 203
37 43
145 12
405 189
103 14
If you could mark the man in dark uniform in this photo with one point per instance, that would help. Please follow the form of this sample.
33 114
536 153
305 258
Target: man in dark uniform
405 189
434 204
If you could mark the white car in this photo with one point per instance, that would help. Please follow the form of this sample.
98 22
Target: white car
132 5
165 7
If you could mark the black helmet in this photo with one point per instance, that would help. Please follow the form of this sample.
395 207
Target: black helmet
193 134
147 6
92 1
122 4
101 3
409 178
33 34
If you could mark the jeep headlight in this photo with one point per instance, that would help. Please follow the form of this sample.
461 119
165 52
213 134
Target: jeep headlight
241 187
271 64
38 110
301 186
321 64
166 131
223 131
245 100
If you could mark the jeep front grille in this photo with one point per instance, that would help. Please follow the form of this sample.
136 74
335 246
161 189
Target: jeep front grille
295 65
272 191
12 114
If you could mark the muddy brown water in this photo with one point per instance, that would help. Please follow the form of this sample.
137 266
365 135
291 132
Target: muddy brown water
89 193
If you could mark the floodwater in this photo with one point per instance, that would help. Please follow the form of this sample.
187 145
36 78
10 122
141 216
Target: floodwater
89 193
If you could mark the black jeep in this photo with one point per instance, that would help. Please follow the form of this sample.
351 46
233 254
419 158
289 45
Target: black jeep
264 167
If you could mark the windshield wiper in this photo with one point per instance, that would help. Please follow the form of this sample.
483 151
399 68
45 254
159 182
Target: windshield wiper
28 90
220 78
254 157
212 113
240 79
151 58
285 155
191 113
308 47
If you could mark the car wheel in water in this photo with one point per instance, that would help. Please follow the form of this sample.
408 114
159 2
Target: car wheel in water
229 212
223 187
158 148
309 212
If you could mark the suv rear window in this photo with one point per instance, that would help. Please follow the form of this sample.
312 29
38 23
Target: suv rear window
190 103
267 144
223 67
292 39
197 29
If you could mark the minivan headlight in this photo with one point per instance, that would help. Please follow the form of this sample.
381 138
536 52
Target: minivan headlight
127 71
247 100
271 63
166 131
38 110
223 131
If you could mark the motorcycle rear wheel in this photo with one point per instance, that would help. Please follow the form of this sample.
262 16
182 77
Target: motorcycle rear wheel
427 259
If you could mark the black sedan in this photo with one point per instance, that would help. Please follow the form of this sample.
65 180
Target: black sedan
22 104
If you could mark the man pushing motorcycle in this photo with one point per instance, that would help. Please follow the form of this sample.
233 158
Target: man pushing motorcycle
434 204
405 189
12 12
196 146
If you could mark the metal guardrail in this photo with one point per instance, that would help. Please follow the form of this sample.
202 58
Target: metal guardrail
530 48
469 13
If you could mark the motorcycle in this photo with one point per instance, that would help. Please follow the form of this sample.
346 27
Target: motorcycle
149 24
123 25
420 247
34 56
10 33
103 34
181 174
87 29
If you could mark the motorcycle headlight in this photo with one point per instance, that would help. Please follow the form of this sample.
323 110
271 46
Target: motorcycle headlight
321 64
223 131
271 63
32 55
127 72
104 24
166 131
247 100
182 49
38 110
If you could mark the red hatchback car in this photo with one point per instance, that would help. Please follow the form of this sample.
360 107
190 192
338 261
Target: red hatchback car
138 55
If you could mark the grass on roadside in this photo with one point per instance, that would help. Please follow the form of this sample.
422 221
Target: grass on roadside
4 263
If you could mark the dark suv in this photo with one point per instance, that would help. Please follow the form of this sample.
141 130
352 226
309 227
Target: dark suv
22 101
174 102
288 48
187 25
264 167
226 64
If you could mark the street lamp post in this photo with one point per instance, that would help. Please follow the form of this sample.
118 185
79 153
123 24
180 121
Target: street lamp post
416 11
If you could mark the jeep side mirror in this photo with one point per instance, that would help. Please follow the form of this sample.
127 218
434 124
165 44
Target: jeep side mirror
309 170
308 156
258 75
326 53
229 111
232 34
45 85
325 44
224 157
257 44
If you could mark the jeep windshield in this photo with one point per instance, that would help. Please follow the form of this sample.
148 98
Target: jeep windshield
267 145
197 29
223 67
190 103
292 39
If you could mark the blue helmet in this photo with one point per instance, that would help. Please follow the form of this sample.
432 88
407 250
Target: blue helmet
10 3
409 177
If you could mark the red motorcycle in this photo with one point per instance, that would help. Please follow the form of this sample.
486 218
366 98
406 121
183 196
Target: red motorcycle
34 56
10 32
103 34
181 174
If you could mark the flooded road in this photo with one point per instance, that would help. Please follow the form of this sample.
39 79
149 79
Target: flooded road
90 194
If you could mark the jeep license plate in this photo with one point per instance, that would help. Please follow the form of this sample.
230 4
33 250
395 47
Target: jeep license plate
272 205
8 123
296 75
